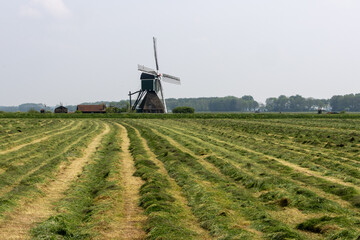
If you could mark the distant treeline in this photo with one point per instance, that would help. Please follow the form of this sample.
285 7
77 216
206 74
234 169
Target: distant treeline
25 107
216 104
348 103
297 103
337 103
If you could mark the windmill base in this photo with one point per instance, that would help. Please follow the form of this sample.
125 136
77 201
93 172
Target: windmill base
151 104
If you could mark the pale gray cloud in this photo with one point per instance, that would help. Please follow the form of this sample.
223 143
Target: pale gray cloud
39 8
235 47
28 11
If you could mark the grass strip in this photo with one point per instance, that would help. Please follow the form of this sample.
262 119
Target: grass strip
211 214
80 209
27 187
164 214
346 193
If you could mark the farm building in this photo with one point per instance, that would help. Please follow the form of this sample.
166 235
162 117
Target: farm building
91 108
61 109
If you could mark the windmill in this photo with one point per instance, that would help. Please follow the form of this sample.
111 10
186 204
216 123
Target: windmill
150 97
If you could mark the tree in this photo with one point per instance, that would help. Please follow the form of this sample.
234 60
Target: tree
112 109
183 110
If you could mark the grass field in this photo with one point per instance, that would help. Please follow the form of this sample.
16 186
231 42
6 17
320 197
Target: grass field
180 178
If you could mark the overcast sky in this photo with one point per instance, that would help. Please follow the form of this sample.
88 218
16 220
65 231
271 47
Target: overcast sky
72 51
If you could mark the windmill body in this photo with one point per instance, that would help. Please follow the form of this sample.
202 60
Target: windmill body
150 97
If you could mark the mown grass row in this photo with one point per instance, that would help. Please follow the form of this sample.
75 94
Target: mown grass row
344 140
345 170
348 171
22 180
28 130
345 192
17 156
87 204
338 124
328 139
42 149
165 216
327 161
333 145
213 203
279 191
13 128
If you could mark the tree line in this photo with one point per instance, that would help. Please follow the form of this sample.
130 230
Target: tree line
216 104
296 103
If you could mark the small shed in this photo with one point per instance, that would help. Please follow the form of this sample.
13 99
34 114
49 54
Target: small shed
61 109
91 108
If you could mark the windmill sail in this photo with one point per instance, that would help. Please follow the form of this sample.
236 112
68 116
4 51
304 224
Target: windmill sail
142 68
162 97
155 54
170 79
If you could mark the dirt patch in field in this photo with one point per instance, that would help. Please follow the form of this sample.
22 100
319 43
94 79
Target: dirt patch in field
18 223
130 217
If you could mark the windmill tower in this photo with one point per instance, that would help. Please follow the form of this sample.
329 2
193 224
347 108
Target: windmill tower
150 97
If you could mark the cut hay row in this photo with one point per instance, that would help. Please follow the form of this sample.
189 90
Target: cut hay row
169 217
213 199
21 176
38 139
202 146
19 172
180 178
314 161
12 134
19 221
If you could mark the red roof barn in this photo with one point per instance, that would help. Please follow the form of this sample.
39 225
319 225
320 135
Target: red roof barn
91 108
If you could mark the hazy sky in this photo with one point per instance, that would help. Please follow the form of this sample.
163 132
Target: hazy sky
72 51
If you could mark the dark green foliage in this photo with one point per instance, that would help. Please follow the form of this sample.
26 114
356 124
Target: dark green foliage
183 110
216 104
295 103
113 110
348 102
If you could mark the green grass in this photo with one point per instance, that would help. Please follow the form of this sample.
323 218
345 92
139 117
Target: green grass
212 204
229 167
23 177
165 216
80 209
189 116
